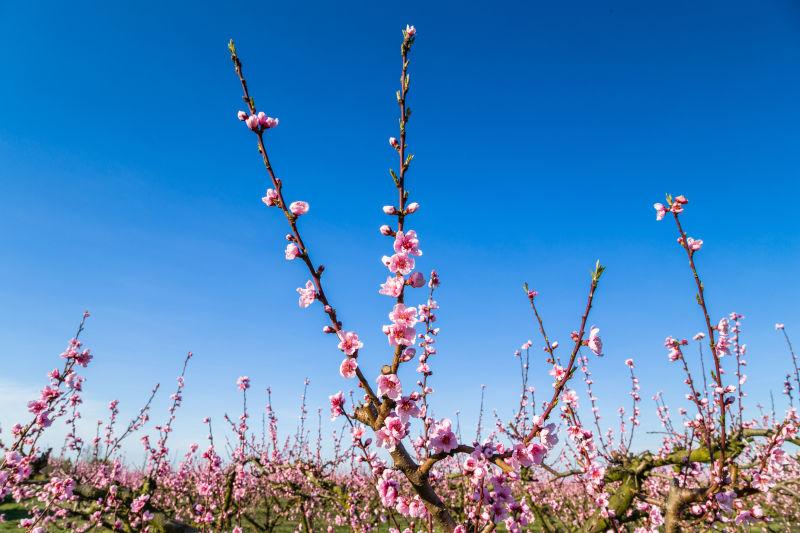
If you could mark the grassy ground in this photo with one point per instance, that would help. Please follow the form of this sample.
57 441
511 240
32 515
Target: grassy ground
14 512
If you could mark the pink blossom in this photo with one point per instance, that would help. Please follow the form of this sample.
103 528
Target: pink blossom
392 432
594 343
558 374
442 438
307 294
389 386
529 455
387 490
292 251
629 363
403 316
660 211
406 408
348 367
298 208
399 264
271 197
243 383
393 287
411 31
337 405
399 335
407 243
694 244
349 342
266 122
393 142
252 122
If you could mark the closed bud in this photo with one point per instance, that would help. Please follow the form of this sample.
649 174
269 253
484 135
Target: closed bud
386 230
416 280
389 209
412 208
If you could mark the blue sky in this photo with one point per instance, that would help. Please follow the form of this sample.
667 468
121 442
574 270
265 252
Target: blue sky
543 133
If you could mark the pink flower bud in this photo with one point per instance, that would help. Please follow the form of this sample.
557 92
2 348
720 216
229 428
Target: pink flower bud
389 209
252 122
242 115
270 198
292 251
416 280
386 230
412 208
299 208
394 143
411 31
266 122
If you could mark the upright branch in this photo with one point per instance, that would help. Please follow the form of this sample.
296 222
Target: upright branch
690 246
259 123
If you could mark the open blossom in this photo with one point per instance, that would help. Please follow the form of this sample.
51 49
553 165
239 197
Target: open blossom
243 383
629 363
442 438
393 287
292 251
399 264
298 208
674 347
337 404
349 343
392 432
660 211
307 294
529 455
389 386
547 434
407 408
270 198
411 31
558 373
399 335
348 368
594 343
403 316
387 489
407 243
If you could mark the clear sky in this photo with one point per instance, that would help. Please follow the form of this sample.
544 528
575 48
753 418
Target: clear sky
544 132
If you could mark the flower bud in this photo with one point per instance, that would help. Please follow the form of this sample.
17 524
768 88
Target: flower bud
412 208
252 122
386 230
416 280
389 209
242 115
